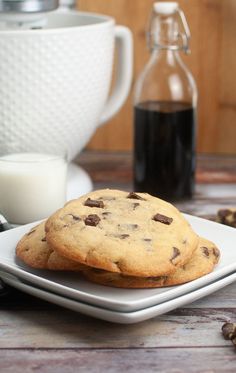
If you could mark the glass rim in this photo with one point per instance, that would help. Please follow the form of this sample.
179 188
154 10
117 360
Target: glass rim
46 157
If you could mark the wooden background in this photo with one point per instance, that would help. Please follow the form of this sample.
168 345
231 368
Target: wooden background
212 62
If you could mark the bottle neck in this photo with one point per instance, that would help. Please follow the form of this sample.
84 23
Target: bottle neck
168 31
167 56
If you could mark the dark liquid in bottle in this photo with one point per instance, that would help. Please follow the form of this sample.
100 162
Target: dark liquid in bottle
164 149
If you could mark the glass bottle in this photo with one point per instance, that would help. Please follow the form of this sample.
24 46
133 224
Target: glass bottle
165 100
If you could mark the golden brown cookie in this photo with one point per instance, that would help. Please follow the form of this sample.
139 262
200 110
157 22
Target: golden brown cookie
204 258
35 252
130 233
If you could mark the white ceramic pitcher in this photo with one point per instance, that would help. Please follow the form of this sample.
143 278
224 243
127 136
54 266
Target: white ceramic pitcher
54 82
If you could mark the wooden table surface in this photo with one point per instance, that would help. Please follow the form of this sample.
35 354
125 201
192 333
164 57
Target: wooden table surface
36 336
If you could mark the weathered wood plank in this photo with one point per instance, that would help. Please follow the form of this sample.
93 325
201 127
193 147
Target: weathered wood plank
61 328
187 360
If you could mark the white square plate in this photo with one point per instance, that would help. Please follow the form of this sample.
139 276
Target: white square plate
70 285
115 316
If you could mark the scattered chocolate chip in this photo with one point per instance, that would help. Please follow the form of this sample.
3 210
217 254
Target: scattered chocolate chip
93 203
216 252
123 236
106 214
162 219
92 220
205 251
229 330
135 205
147 239
176 252
135 196
223 214
43 239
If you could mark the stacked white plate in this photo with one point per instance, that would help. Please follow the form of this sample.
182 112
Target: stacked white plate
112 304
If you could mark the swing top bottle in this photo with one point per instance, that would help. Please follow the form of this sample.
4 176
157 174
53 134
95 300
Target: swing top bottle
165 101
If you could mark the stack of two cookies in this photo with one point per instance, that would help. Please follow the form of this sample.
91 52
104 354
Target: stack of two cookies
121 239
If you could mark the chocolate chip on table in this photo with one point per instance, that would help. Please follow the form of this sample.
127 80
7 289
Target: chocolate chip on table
229 332
93 203
223 213
133 195
176 252
205 251
92 220
162 219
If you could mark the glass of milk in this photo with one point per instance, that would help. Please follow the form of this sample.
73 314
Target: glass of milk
32 185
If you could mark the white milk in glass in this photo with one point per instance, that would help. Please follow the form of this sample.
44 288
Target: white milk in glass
32 186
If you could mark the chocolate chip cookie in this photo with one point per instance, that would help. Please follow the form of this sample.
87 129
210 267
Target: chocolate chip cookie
34 250
135 234
203 261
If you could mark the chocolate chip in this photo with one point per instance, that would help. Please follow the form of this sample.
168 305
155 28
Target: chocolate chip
93 203
106 214
205 251
123 236
216 252
147 239
92 220
229 330
162 219
223 214
43 239
176 252
135 196
135 205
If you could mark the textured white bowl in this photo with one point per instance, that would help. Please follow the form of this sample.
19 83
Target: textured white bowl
54 83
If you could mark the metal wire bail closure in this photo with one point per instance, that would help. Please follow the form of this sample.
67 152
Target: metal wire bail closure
182 38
